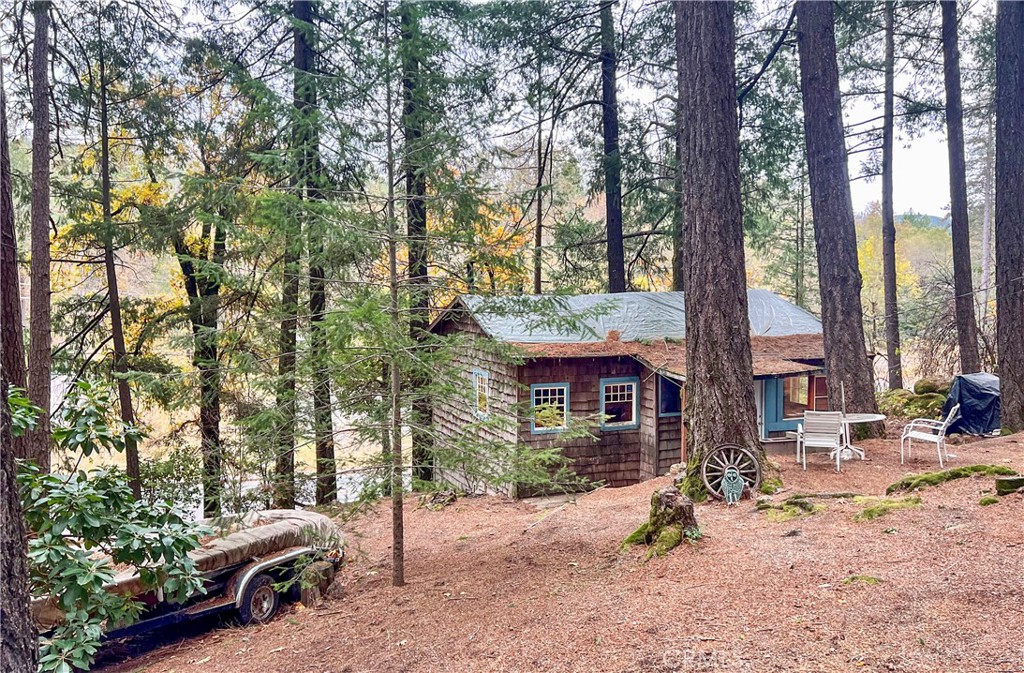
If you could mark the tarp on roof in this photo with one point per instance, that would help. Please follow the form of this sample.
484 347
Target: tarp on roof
978 397
636 316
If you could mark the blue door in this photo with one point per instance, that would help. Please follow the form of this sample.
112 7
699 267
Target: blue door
773 420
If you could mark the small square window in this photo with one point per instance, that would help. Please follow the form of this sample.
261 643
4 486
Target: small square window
670 397
481 393
550 407
619 404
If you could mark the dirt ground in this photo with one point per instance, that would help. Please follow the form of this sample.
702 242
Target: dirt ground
498 585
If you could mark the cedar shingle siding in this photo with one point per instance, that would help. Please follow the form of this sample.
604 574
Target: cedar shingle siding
453 414
617 457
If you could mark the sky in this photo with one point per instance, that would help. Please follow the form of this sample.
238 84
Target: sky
920 177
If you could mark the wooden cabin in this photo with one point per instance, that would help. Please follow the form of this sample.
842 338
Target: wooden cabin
621 359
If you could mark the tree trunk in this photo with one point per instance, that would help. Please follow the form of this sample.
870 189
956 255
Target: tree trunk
203 290
18 646
395 485
310 168
207 365
892 316
124 392
612 158
323 428
719 372
986 223
846 361
1010 211
963 283
414 168
40 336
284 488
538 229
13 356
800 265
678 183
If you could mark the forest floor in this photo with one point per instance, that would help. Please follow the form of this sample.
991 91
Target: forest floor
498 585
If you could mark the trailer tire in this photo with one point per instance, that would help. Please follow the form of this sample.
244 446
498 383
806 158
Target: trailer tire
259 602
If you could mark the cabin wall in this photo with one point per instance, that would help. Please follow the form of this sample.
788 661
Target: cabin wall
455 415
615 456
648 424
670 437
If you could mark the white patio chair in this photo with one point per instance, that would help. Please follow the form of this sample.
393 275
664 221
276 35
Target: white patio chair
928 430
820 430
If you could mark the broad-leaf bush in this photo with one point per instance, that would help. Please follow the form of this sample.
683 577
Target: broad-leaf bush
87 528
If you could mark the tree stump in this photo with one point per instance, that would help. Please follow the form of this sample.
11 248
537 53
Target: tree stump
670 520
314 581
1008 485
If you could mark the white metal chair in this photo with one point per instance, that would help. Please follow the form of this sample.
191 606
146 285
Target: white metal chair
928 430
820 430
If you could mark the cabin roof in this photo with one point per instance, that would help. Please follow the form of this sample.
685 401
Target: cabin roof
627 316
772 356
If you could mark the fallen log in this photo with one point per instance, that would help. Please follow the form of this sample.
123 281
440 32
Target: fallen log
1008 485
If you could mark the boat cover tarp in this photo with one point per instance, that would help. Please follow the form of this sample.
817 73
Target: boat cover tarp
978 397
236 540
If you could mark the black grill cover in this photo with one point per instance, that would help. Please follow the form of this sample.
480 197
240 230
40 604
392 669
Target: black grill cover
978 397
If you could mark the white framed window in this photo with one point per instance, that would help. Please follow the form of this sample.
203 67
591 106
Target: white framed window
481 393
620 403
549 407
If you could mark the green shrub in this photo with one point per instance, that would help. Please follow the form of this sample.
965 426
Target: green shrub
84 528
176 477
79 530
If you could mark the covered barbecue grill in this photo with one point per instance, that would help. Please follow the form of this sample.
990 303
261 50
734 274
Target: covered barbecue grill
978 397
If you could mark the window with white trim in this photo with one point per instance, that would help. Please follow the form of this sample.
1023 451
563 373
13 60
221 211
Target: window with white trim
550 407
481 393
620 403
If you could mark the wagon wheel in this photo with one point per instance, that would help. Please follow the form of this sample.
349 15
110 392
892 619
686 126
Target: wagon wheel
721 458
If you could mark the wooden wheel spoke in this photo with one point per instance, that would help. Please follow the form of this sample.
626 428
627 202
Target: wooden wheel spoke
721 459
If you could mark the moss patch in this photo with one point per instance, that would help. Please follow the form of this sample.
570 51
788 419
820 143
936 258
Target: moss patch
862 579
988 500
879 507
917 481
639 536
771 486
922 402
669 539
692 487
789 509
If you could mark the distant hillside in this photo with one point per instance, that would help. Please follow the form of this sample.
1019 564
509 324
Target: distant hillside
920 220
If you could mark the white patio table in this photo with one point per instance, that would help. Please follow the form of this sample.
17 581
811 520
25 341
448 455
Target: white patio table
849 450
